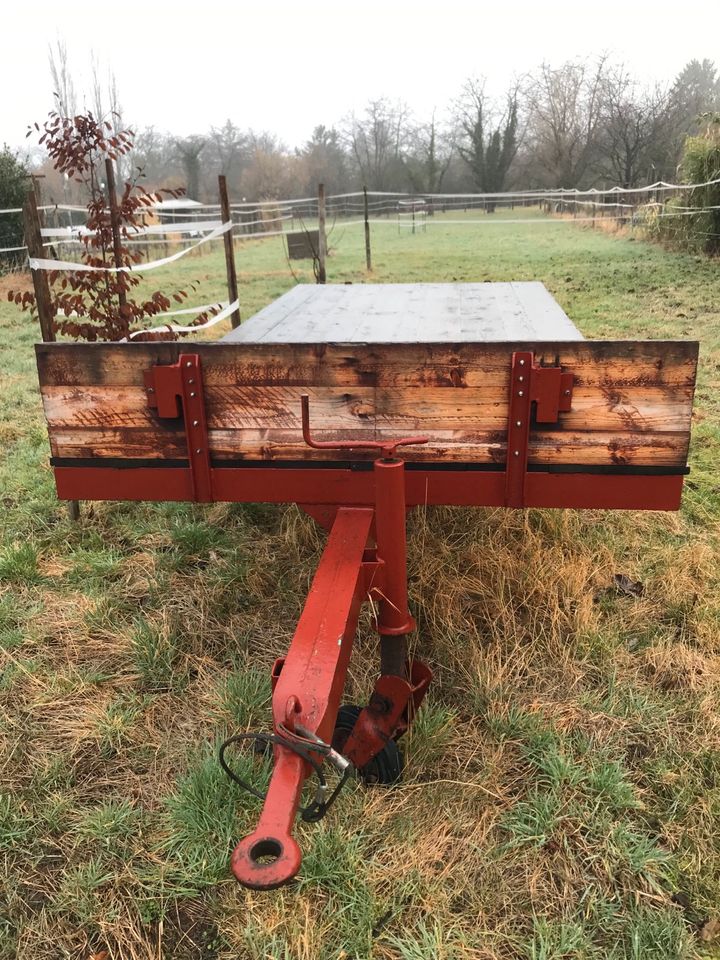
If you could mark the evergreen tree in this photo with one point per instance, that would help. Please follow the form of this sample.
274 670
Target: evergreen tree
14 184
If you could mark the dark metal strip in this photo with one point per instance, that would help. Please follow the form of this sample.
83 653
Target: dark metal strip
360 466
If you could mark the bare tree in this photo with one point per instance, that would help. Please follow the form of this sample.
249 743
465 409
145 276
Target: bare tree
323 160
229 144
155 155
63 86
564 110
430 152
377 141
189 150
635 137
106 106
488 142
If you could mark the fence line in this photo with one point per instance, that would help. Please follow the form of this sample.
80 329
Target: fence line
554 193
385 204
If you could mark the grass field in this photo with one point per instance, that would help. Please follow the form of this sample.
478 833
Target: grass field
562 789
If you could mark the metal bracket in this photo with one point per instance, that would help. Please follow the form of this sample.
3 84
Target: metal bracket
175 389
551 391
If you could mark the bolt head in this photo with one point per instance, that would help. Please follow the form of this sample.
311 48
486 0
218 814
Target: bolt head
192 393
520 393
196 423
516 453
520 379
151 389
518 423
191 380
188 363
522 363
567 393
199 450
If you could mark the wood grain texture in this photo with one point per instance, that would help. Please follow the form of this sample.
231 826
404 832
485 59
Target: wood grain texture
632 401
409 312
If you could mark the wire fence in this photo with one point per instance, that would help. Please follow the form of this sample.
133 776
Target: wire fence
263 218
186 224
187 227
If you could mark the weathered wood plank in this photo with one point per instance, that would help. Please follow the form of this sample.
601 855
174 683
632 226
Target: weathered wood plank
595 449
610 365
632 402
638 409
409 312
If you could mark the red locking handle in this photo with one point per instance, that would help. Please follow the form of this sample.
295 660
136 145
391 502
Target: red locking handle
386 447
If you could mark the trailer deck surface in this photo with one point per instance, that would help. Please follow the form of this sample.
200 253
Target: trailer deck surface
409 313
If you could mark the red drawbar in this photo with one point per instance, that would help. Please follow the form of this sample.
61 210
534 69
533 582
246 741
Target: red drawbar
307 692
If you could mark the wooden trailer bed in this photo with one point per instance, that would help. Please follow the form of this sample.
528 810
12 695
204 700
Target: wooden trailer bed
377 362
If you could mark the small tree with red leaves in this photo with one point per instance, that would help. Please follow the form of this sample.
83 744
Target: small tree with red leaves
97 305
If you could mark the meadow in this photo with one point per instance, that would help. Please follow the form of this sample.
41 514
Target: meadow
561 796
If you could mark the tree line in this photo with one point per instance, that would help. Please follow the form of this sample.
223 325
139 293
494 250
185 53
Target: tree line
580 124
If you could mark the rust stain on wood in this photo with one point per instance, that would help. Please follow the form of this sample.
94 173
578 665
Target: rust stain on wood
632 402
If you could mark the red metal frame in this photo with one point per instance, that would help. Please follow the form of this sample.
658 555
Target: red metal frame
550 390
182 382
345 486
309 681
307 692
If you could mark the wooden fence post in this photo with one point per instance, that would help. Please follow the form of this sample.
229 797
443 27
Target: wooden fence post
33 242
229 250
368 256
322 241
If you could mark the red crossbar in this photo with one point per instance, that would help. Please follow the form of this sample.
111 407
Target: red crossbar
467 488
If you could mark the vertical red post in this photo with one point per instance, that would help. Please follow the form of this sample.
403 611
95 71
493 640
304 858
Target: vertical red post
394 619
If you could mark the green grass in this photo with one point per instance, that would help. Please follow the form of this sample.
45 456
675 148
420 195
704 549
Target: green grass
561 796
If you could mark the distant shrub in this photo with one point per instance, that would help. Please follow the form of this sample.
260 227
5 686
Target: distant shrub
14 180
696 221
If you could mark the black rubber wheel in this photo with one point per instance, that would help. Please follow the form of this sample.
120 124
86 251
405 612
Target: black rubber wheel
386 767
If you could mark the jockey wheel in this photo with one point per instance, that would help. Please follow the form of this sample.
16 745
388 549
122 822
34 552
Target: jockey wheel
384 768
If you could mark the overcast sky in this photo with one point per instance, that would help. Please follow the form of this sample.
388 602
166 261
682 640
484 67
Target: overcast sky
287 66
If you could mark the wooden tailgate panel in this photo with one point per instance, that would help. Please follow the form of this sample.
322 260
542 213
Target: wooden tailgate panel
631 403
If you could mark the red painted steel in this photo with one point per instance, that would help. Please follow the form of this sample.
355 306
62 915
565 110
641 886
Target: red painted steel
168 385
550 390
390 518
519 410
393 703
308 682
387 448
337 486
307 692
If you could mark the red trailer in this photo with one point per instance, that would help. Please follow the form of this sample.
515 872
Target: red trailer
359 402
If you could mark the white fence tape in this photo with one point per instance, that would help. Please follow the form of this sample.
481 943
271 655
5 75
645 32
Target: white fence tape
175 328
37 263
81 231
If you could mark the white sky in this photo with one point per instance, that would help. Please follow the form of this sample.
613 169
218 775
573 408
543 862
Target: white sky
286 66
